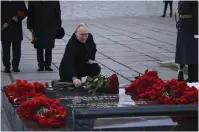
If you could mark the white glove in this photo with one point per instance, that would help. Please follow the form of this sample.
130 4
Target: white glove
91 61
15 18
77 82
5 25
196 36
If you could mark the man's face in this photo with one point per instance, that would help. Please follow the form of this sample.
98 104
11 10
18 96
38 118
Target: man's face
82 34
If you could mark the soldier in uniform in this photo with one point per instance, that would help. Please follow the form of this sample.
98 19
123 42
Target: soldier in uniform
44 18
12 33
187 40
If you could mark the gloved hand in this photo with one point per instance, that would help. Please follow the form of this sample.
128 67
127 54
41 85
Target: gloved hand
5 25
15 19
91 61
77 82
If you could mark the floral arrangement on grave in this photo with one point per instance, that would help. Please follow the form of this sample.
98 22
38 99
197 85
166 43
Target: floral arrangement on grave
103 84
45 111
23 90
150 87
97 84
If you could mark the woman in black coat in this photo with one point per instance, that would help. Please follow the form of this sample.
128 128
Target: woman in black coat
187 44
12 34
79 57
44 17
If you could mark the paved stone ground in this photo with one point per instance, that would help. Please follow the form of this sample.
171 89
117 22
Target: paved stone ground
130 36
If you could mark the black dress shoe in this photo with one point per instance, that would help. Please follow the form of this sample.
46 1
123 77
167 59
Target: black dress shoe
48 69
40 69
163 16
7 70
189 80
16 70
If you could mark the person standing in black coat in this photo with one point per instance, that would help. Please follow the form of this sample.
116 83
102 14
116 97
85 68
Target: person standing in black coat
187 38
12 33
79 57
44 18
166 3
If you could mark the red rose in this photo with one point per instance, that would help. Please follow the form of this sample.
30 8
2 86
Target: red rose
36 117
43 122
113 84
21 13
18 81
46 84
151 74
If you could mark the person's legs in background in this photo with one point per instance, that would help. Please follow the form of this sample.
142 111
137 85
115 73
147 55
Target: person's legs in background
181 73
171 8
16 50
165 8
40 59
6 55
48 59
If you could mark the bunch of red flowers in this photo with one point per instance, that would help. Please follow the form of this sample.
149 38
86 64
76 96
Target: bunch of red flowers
150 86
178 92
102 84
20 13
23 90
47 112
113 84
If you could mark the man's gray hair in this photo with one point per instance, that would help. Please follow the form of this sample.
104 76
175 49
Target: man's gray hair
80 25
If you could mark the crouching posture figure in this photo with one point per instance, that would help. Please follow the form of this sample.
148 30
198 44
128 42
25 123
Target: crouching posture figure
79 58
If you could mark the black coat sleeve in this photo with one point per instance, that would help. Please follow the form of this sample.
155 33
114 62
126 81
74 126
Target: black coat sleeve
23 8
58 14
30 19
195 16
67 65
94 49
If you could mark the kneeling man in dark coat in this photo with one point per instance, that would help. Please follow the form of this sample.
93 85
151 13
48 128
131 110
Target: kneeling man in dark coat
79 57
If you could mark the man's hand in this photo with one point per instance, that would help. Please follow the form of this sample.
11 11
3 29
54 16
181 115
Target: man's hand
15 18
5 25
77 82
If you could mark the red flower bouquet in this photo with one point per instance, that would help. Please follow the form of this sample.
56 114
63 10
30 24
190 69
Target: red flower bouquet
47 112
23 90
103 84
149 86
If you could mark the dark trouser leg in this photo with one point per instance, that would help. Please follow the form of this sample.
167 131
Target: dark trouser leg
40 58
192 73
16 49
171 8
86 70
48 57
91 70
181 66
165 8
64 77
6 53
180 73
